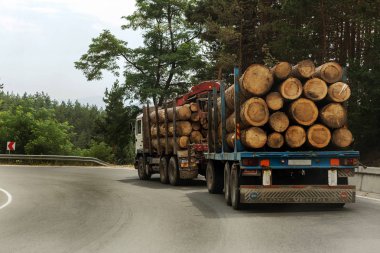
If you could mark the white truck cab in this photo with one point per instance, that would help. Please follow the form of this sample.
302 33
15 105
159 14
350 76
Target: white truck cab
139 134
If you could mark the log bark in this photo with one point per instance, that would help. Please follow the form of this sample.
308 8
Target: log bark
334 115
196 137
291 88
161 116
182 113
275 140
257 80
253 137
303 69
254 112
230 123
295 136
230 138
339 92
281 70
331 72
274 101
194 107
318 136
303 111
342 137
196 126
182 142
230 98
279 122
315 89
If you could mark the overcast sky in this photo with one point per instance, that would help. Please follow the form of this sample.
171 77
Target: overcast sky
41 39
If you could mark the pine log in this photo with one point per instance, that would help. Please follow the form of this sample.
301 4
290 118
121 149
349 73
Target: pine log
339 92
318 136
184 128
194 107
196 137
257 80
230 98
334 115
275 140
170 129
230 123
303 111
204 132
254 112
342 137
291 88
205 125
182 142
161 116
196 126
279 122
182 113
281 70
195 117
253 137
303 69
295 136
315 89
203 120
274 101
331 72
230 138
153 131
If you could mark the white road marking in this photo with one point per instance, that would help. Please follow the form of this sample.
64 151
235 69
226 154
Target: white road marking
9 198
367 198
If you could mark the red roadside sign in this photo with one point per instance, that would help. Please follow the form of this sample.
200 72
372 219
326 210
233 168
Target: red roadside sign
11 146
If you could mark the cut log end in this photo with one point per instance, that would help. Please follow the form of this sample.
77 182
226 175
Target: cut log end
275 140
194 107
318 136
254 137
304 111
279 122
331 72
256 80
254 112
303 69
295 136
334 115
230 138
339 92
196 137
342 138
274 101
315 89
291 88
282 70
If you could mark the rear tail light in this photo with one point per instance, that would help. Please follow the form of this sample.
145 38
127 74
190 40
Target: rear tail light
349 162
265 163
334 162
249 162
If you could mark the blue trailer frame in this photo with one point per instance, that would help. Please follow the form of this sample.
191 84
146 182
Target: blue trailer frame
337 162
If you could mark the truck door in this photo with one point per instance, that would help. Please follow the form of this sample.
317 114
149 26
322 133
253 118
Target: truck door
138 136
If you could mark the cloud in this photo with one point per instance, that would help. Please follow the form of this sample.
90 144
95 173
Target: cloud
13 24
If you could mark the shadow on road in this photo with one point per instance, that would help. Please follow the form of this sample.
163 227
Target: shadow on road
203 200
154 183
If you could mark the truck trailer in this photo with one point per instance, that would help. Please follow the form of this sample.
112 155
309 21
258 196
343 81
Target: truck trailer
245 176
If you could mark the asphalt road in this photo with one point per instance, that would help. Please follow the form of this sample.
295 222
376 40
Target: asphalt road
109 210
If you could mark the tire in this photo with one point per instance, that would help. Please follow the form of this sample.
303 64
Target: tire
164 176
214 178
227 184
142 169
173 171
235 191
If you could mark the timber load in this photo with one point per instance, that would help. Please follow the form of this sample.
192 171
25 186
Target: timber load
287 106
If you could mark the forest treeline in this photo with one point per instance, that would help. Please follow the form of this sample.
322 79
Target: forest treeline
40 125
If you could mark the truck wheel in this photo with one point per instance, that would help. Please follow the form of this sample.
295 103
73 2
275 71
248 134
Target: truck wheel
142 169
235 191
227 186
214 178
164 177
173 171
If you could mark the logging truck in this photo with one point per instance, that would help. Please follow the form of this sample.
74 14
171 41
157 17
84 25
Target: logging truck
250 141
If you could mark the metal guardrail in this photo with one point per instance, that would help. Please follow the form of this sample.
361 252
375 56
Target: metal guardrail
53 158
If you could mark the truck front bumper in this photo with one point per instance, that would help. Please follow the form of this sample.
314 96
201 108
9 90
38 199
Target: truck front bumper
297 194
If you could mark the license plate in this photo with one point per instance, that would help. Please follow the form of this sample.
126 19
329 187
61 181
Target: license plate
299 162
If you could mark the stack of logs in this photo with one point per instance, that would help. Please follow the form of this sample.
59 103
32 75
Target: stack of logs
191 126
290 107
